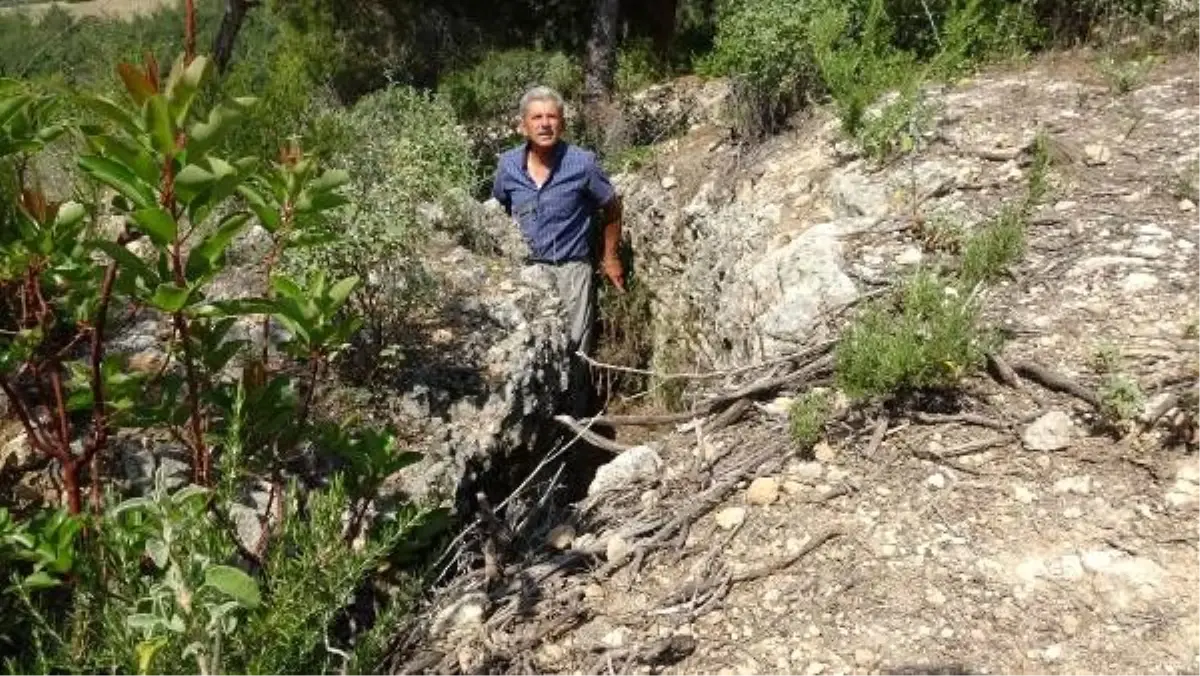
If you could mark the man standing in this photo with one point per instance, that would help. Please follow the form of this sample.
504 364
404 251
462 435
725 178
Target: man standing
552 188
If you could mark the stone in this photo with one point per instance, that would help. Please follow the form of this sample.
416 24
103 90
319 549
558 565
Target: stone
1079 485
763 491
814 668
616 638
464 613
936 481
616 549
561 537
823 452
855 195
807 471
793 487
1051 432
864 658
1186 204
16 452
1139 281
1064 205
1052 653
935 597
1183 493
1072 513
638 464
1070 625
910 256
1097 154
731 517
1022 494
669 181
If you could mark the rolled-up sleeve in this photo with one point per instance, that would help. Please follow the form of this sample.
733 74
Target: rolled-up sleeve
599 187
500 189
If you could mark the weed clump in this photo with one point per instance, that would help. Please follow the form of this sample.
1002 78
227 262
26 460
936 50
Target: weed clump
926 335
807 417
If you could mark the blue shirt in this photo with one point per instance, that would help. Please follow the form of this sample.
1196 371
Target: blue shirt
555 219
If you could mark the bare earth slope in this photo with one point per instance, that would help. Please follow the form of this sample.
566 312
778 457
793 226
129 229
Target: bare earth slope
880 556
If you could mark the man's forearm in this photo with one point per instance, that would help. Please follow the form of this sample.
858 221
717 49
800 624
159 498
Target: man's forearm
612 229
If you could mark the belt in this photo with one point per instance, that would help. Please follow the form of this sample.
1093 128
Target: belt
562 261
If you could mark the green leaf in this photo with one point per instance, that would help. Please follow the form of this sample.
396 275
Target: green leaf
127 260
39 580
157 223
188 493
158 122
157 551
69 214
119 178
267 214
112 112
287 287
146 650
234 584
132 504
9 107
183 84
341 291
142 621
204 257
334 178
204 135
170 298
194 177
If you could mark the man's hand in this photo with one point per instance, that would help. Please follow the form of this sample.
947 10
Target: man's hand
612 268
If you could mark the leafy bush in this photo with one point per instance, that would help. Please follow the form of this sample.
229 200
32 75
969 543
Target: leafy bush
164 583
489 90
764 46
926 336
807 416
401 151
996 244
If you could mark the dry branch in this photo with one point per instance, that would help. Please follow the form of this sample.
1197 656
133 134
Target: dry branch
966 418
1056 382
1003 372
589 436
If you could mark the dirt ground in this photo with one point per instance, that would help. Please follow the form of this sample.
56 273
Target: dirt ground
934 541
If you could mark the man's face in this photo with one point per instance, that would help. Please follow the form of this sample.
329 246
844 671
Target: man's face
542 123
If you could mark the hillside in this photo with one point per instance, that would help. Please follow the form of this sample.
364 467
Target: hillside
1003 529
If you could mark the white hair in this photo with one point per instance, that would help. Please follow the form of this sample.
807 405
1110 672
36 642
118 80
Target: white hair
540 93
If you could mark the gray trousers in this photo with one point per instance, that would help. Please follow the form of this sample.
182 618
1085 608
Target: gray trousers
576 286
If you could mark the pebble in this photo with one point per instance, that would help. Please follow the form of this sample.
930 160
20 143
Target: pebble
669 182
1139 281
936 481
763 491
1072 513
814 668
808 471
1022 494
1070 625
1097 154
561 536
731 517
864 658
1079 485
823 452
935 597
1053 653
1050 432
813 631
616 549
1186 204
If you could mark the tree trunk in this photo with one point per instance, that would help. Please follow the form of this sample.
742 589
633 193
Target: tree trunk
599 67
231 24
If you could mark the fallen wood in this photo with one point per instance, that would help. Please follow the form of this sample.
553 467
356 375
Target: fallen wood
974 447
1002 372
789 560
590 437
966 418
719 402
729 416
877 434
1056 382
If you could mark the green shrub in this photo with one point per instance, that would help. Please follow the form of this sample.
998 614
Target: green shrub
763 45
927 335
162 582
637 67
993 247
807 416
489 90
401 151
1121 399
